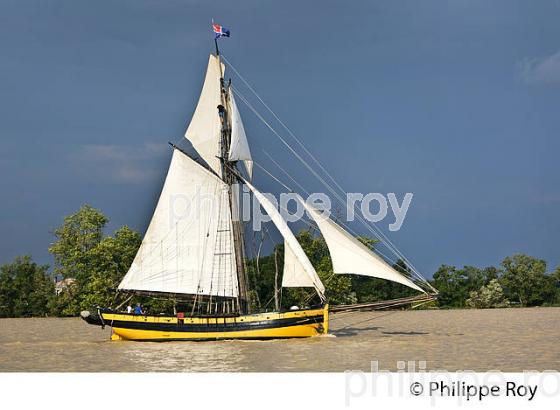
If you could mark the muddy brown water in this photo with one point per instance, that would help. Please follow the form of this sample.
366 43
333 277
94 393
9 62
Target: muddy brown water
480 340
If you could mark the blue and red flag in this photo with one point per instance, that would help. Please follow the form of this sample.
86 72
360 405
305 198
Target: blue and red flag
220 31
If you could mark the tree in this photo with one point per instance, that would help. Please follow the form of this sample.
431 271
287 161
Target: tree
525 280
96 262
262 279
451 284
66 303
454 285
78 235
489 296
25 288
556 281
111 259
7 292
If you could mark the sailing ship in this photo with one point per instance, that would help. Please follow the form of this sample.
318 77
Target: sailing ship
199 257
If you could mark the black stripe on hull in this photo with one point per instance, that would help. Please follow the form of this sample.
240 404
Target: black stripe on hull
209 339
221 327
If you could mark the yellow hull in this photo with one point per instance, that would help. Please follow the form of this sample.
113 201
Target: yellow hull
292 324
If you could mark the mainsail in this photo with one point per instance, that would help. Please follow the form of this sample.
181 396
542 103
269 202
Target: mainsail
298 270
188 247
349 255
204 131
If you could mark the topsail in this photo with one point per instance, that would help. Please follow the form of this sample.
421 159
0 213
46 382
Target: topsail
204 131
239 149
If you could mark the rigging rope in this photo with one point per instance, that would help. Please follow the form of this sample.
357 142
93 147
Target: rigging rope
376 231
370 226
334 193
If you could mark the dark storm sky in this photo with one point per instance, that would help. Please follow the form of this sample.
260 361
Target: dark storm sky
457 102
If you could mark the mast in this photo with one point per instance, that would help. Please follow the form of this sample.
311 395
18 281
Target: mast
230 179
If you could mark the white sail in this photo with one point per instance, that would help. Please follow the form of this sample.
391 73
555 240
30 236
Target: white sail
349 255
294 275
204 131
298 268
188 247
239 147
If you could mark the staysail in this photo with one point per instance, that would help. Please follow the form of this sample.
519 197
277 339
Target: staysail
293 275
204 131
239 147
298 270
188 247
350 256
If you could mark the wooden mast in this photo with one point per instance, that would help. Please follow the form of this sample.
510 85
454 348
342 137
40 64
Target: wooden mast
230 178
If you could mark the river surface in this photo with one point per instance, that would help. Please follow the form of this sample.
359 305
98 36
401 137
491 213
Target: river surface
480 340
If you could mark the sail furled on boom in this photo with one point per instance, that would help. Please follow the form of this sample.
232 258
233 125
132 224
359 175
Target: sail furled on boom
204 130
350 256
297 268
239 148
188 247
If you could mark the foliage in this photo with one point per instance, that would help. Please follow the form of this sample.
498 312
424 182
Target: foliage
113 256
454 285
556 281
80 233
66 303
489 296
525 280
96 262
25 288
261 280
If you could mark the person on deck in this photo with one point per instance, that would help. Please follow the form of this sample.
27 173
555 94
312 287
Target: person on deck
129 309
138 309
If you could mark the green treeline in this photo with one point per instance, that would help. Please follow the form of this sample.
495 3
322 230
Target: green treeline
25 289
96 263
